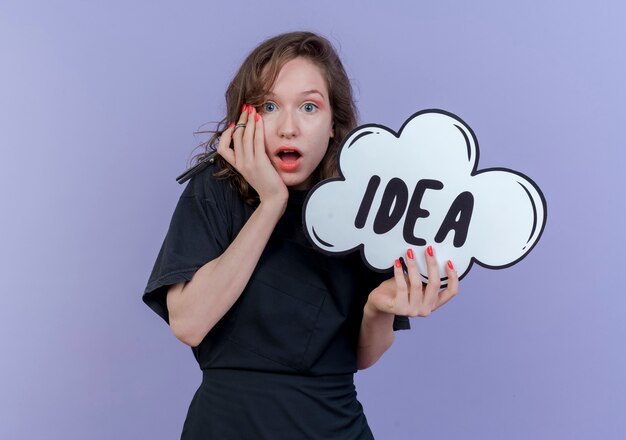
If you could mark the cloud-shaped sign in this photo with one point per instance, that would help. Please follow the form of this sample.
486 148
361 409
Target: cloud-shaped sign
421 187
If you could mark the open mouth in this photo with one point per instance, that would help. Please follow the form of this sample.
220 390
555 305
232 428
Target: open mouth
288 160
289 156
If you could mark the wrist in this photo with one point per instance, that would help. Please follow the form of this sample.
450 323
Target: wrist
370 311
275 204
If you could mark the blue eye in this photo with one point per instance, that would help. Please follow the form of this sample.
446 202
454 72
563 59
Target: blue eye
269 107
309 107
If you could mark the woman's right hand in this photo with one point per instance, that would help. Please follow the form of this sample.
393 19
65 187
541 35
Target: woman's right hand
197 305
249 158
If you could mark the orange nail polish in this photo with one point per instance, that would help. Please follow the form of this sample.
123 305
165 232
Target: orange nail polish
243 109
257 117
430 250
450 265
398 264
409 254
250 109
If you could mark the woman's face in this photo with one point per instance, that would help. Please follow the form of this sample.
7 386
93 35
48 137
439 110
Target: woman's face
298 122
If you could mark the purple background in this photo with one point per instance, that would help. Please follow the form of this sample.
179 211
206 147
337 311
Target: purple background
98 104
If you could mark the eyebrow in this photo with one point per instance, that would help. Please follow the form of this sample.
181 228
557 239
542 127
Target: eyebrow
305 93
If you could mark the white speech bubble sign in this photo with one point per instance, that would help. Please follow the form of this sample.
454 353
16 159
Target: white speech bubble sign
420 187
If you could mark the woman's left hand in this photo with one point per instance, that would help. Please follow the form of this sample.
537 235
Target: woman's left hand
405 294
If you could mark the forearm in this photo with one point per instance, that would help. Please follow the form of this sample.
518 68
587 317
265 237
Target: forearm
375 337
195 307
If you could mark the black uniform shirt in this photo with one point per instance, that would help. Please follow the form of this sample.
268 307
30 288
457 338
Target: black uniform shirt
301 311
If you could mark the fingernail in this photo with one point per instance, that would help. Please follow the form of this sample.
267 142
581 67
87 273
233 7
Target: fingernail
409 254
250 109
243 109
257 117
398 264
450 265
231 125
430 250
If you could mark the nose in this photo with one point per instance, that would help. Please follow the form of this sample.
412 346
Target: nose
287 125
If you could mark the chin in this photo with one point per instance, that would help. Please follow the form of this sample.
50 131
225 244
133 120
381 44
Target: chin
295 182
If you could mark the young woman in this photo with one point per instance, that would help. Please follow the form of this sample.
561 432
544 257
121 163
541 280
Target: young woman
277 327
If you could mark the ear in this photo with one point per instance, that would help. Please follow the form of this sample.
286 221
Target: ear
332 131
